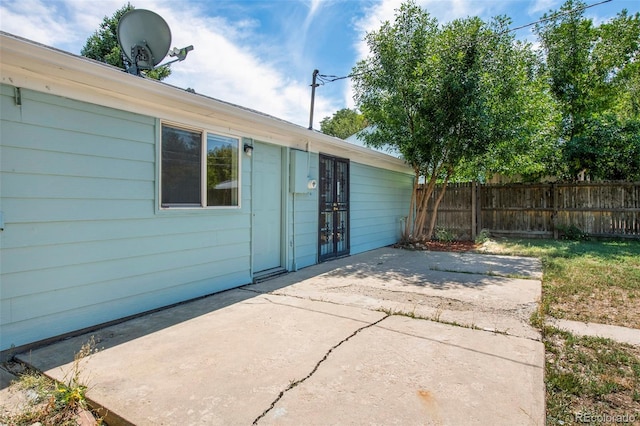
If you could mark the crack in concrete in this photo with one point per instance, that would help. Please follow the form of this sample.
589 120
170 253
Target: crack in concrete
488 273
251 290
434 318
295 383
454 323
309 298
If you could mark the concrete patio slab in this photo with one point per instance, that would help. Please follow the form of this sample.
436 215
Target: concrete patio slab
421 373
613 332
319 346
405 282
223 367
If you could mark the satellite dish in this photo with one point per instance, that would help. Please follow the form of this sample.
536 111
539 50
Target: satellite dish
144 38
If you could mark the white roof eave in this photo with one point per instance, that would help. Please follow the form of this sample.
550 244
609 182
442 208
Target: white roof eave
27 64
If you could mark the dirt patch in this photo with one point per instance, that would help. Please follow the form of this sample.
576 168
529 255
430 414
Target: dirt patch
411 298
453 246
605 306
588 376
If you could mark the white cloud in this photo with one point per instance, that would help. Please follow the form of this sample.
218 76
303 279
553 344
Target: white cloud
241 67
443 11
542 6
313 8
37 21
229 61
226 66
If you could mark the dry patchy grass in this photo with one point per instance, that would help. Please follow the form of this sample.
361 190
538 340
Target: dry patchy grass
588 380
590 281
49 402
590 376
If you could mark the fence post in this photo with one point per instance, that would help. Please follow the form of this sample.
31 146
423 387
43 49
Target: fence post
474 229
478 210
554 215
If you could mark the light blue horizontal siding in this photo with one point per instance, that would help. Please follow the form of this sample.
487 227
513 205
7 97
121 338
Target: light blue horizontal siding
86 188
53 112
61 322
379 199
51 302
30 210
55 256
83 241
55 233
35 162
131 143
306 216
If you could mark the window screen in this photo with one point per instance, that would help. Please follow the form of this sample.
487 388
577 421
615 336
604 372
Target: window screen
181 167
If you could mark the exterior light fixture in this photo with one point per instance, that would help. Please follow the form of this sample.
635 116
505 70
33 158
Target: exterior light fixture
248 149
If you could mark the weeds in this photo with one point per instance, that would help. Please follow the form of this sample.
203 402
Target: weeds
586 377
483 236
49 402
572 232
434 318
445 235
594 281
589 375
71 391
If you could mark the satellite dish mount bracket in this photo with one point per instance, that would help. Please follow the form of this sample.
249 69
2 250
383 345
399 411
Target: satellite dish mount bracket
142 59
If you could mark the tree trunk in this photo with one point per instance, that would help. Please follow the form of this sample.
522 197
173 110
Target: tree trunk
408 228
434 212
422 207
421 213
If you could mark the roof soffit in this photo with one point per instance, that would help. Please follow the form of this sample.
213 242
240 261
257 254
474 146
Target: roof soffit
37 67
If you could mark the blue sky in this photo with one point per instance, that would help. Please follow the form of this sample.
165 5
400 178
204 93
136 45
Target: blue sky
261 54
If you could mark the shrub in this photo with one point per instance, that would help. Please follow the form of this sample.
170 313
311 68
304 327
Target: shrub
445 235
571 232
483 236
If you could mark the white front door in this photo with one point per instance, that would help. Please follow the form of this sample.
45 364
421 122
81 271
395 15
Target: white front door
267 206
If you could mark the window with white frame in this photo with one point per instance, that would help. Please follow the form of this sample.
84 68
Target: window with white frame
199 169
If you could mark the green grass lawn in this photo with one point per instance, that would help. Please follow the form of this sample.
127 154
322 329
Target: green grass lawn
591 281
590 376
588 380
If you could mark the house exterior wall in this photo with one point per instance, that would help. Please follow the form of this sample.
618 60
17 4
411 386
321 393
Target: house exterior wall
303 233
379 200
85 241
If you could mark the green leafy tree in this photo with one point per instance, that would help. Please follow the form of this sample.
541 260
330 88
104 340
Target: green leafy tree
343 123
444 97
103 45
594 75
608 147
220 171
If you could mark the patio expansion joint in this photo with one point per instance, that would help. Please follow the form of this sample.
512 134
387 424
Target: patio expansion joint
295 383
432 318
311 299
246 288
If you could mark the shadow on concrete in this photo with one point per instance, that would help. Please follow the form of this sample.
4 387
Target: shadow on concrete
407 268
439 270
106 336
116 333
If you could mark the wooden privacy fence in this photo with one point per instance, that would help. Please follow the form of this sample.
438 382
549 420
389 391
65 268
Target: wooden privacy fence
600 209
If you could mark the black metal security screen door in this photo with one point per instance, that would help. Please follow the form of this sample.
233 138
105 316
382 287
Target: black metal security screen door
333 235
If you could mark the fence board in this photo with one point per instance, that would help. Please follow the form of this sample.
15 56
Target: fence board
604 209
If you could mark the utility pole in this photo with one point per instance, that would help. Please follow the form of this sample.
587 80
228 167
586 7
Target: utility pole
313 96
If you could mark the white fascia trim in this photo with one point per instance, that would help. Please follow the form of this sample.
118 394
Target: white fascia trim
30 65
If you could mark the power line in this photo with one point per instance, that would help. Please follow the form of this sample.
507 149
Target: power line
322 79
556 15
